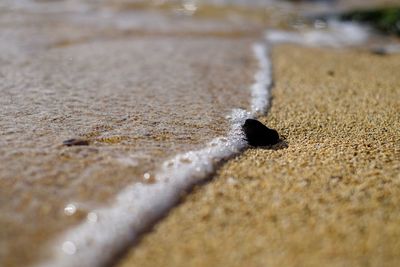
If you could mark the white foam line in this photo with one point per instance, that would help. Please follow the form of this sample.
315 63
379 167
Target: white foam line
337 34
263 80
109 229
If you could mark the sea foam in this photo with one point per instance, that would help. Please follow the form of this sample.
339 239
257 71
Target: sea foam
336 34
109 229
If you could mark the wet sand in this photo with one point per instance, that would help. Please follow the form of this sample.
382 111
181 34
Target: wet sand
138 95
330 197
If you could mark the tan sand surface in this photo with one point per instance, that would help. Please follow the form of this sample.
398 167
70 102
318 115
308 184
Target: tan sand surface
330 198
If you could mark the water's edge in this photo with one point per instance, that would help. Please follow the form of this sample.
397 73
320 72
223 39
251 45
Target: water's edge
139 206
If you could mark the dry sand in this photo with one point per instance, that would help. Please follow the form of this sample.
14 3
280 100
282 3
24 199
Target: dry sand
330 198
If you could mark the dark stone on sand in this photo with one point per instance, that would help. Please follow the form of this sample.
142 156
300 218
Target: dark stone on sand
76 142
257 134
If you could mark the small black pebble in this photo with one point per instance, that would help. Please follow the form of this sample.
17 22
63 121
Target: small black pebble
76 142
257 134
331 73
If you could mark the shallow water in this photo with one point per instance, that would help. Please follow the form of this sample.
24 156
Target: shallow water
141 81
139 98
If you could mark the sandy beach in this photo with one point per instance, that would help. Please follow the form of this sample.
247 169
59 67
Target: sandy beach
152 91
330 197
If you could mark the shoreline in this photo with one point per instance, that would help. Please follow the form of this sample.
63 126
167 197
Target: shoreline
138 206
330 198
137 90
